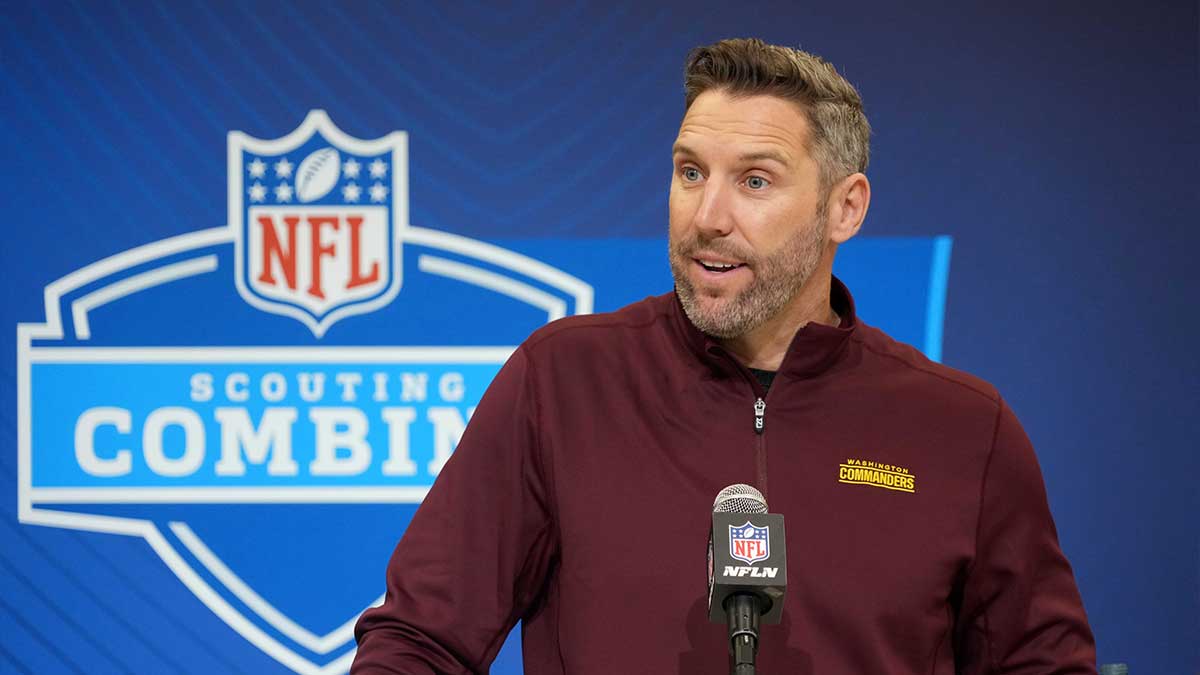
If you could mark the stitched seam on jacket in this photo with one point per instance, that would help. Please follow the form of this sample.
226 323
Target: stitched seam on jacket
928 371
987 628
519 603
551 487
596 321
544 468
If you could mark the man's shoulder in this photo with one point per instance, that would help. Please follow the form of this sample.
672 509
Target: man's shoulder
603 329
911 369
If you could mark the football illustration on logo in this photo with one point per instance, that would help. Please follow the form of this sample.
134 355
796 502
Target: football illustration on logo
317 175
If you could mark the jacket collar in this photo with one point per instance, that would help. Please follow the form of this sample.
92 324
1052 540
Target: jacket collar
814 349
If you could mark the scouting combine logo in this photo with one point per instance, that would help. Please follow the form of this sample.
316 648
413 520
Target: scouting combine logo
259 401
749 544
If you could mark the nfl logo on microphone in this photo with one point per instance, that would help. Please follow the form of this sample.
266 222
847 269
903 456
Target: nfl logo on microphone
748 543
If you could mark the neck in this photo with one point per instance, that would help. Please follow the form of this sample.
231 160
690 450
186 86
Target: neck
764 346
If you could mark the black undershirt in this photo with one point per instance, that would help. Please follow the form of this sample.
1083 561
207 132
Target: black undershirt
764 377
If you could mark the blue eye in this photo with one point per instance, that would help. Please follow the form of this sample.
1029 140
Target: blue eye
756 182
691 174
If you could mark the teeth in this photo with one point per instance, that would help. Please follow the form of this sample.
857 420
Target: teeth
720 266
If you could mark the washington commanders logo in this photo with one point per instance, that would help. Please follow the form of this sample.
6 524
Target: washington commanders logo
877 474
260 402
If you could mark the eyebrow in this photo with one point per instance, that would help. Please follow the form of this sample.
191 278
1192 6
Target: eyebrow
681 149
772 155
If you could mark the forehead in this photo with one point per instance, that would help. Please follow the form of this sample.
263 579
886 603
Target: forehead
718 122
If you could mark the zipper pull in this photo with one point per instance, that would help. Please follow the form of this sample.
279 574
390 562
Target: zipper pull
760 413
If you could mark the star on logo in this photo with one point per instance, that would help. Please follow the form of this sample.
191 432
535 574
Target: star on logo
351 192
283 169
257 168
350 168
283 191
378 191
257 191
378 168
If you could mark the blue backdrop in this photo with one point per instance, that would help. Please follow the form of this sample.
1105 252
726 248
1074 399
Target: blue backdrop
1057 147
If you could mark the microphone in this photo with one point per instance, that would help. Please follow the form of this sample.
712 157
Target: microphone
747 570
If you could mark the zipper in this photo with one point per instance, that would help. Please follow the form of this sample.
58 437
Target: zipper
760 426
760 444
760 439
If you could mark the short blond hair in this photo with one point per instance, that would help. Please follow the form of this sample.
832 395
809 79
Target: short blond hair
840 134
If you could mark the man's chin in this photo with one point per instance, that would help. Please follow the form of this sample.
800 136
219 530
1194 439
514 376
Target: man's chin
712 316
713 305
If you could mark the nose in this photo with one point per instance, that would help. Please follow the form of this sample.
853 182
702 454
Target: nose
714 216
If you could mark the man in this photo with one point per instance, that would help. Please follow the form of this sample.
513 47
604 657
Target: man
919 537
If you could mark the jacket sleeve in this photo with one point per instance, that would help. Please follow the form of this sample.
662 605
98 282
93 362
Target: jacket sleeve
477 553
1021 611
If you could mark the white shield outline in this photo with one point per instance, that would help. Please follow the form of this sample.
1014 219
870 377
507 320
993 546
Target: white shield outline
766 543
318 121
35 505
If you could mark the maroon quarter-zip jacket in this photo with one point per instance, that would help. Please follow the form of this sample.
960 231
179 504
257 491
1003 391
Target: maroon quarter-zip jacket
919 539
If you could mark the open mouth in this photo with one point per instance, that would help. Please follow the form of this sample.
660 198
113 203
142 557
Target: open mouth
719 267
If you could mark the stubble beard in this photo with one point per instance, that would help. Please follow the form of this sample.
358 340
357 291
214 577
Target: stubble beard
778 277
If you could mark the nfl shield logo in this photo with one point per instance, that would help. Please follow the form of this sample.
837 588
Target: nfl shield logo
318 217
748 543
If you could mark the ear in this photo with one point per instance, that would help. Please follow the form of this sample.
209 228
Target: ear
848 202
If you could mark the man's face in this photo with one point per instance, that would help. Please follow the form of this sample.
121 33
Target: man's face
747 222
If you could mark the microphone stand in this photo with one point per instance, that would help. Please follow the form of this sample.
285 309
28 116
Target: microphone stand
743 611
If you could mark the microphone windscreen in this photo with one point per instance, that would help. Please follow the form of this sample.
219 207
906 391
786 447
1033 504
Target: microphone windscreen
740 498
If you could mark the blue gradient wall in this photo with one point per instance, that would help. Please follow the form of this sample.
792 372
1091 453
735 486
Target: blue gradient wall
1056 144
